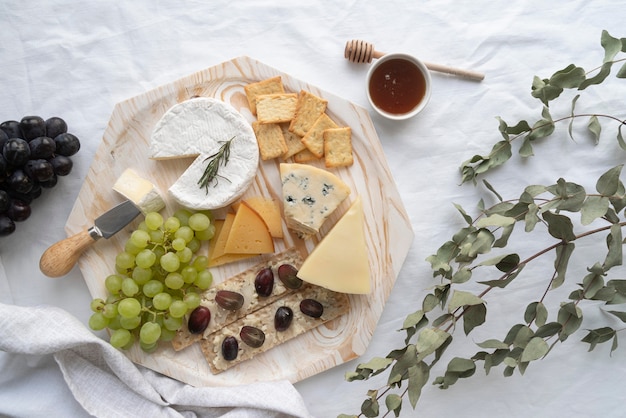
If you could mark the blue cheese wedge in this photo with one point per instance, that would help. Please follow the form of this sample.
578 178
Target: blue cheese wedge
310 195
145 195
198 128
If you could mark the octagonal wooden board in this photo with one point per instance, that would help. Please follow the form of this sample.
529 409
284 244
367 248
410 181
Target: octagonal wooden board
388 230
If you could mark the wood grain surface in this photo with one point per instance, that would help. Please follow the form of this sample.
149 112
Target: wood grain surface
388 229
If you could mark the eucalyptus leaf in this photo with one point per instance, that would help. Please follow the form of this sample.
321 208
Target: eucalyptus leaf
594 207
418 377
618 314
413 319
568 78
572 118
535 349
393 402
614 242
370 407
398 371
541 129
594 127
521 127
492 190
473 317
560 226
531 217
604 72
609 183
611 46
462 298
620 138
621 73
561 262
493 343
467 218
526 149
428 340
461 366
495 220
505 280
599 336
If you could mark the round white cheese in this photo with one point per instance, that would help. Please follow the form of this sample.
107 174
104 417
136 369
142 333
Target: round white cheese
199 127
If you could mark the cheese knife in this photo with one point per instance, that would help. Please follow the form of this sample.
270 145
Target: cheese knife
61 257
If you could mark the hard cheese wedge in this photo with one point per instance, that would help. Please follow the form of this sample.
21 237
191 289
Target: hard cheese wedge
310 195
340 261
217 246
140 191
248 234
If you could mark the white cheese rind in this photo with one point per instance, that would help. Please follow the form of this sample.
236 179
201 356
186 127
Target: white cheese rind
199 127
145 195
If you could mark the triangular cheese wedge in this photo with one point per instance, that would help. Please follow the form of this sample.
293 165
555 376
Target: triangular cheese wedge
340 261
310 195
248 234
217 255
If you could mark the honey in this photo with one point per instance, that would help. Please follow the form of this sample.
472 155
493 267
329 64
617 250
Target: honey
397 86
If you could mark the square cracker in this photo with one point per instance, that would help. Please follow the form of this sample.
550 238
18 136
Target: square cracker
314 138
304 156
271 85
293 141
338 147
276 108
270 139
308 108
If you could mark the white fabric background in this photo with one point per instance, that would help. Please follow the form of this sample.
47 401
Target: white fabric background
78 59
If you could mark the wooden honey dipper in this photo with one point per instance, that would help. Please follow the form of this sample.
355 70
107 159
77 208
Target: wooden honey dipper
363 52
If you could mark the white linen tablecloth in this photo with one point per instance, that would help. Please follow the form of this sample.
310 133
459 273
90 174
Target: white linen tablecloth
78 59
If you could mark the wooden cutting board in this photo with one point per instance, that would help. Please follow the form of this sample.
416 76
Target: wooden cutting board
388 229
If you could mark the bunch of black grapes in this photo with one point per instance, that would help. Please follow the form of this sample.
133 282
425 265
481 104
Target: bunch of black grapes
34 154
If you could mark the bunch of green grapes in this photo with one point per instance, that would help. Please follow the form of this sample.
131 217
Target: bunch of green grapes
157 280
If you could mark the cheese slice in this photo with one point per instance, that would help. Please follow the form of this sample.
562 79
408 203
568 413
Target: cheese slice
269 210
145 195
310 195
340 261
199 127
217 254
249 233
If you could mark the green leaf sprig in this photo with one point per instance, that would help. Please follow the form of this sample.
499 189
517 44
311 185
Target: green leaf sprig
218 159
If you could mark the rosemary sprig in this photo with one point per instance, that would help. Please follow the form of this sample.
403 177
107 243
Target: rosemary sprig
211 171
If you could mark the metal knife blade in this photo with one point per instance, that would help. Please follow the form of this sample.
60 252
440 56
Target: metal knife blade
61 257
112 221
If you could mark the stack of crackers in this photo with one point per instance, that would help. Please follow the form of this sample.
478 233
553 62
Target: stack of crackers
296 125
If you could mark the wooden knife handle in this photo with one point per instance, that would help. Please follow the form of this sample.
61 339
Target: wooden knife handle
61 257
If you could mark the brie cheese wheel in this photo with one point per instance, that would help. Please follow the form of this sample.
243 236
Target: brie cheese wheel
145 195
310 195
199 127
340 261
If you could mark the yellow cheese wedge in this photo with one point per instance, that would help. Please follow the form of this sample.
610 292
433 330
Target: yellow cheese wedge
217 255
340 261
269 210
249 233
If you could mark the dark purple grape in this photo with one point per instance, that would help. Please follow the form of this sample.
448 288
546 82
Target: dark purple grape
264 282
5 202
199 319
67 144
50 183
19 181
287 274
42 147
230 348
312 308
7 226
3 138
32 127
55 126
229 300
40 169
3 167
252 336
19 211
11 128
283 318
16 151
62 165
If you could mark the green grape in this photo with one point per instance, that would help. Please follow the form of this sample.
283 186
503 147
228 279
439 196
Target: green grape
109 310
185 233
170 262
183 215
152 288
97 321
120 338
130 323
207 234
142 275
179 243
167 335
199 221
145 258
114 323
125 260
153 220
162 301
149 333
157 236
139 238
189 274
204 279
201 262
178 309
172 224
129 307
142 226
192 300
194 245
184 255
172 323
131 248
97 304
113 283
149 348
159 251
174 281
129 287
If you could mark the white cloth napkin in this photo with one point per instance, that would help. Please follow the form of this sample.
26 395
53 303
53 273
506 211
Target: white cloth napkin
107 384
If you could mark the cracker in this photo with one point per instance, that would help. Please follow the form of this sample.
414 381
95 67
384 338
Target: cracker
304 156
270 139
335 304
338 147
276 108
293 141
242 283
308 108
314 138
271 85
